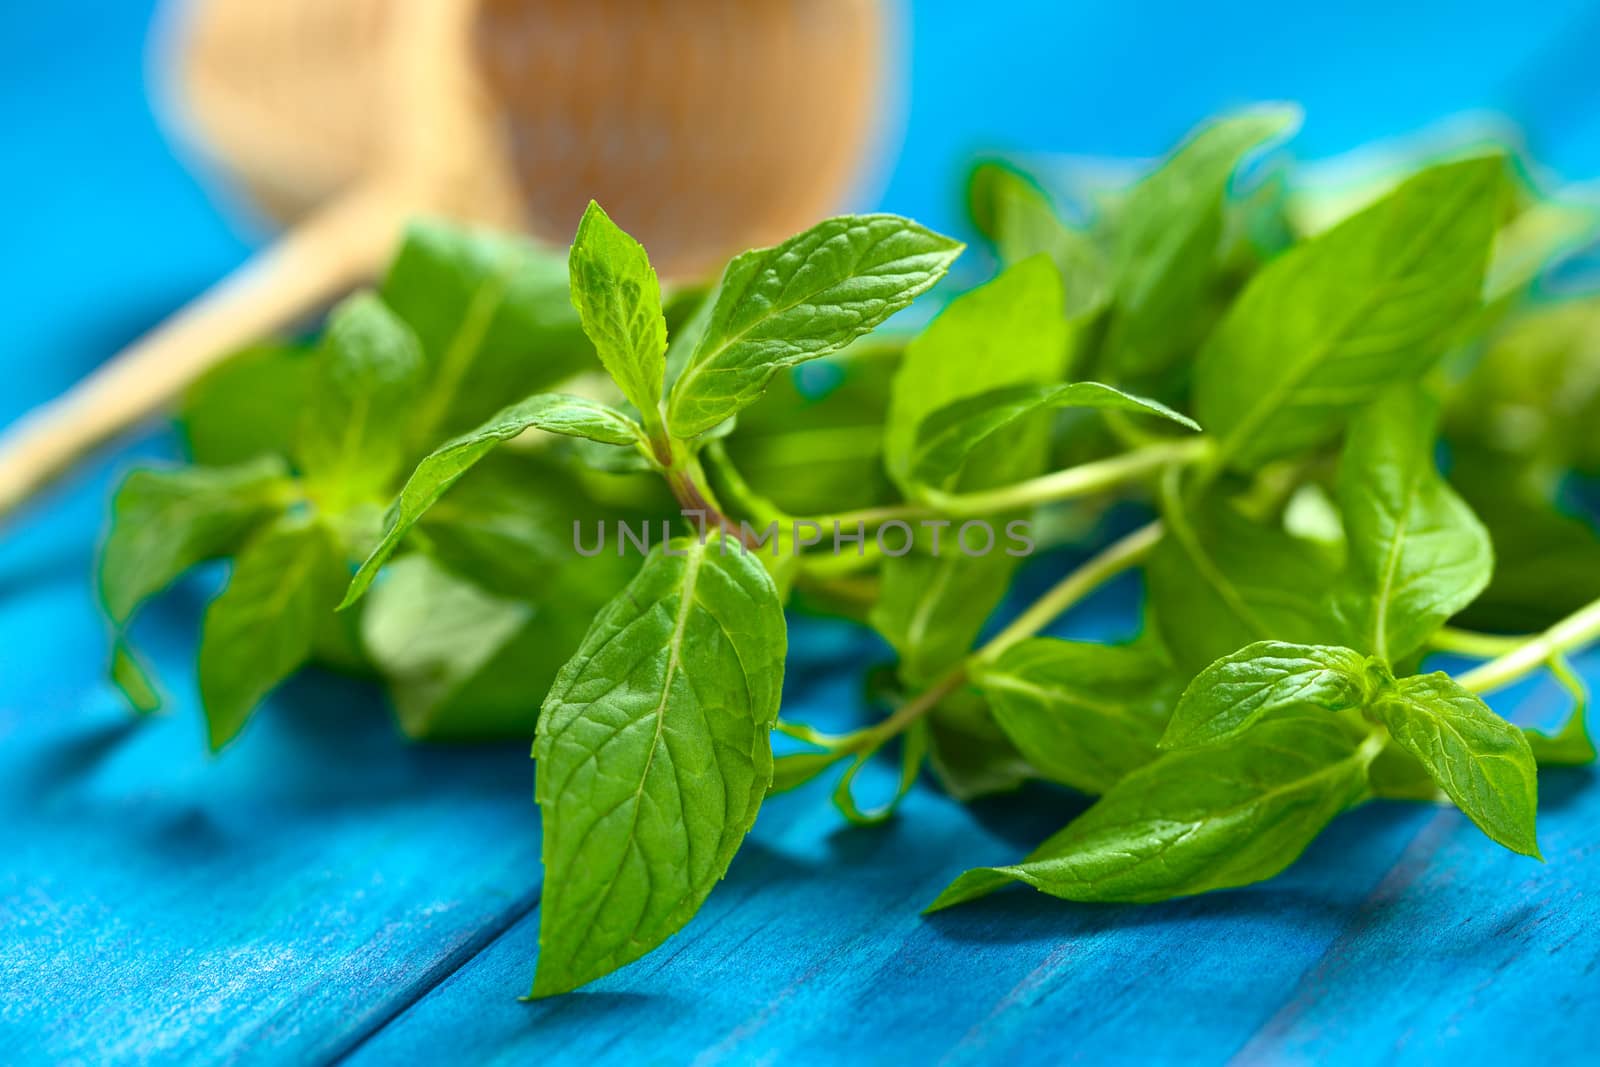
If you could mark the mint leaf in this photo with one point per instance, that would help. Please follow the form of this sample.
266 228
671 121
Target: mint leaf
949 435
260 629
968 752
430 633
1547 560
1396 774
618 298
1237 691
165 521
1007 332
1535 393
1194 821
1417 553
1322 329
810 451
1167 242
508 527
1083 715
810 295
931 607
556 413
459 661
1570 746
247 406
1482 762
795 769
1017 216
495 320
1221 580
132 679
653 757
364 382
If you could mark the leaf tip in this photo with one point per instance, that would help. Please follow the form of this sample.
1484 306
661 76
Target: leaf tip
352 593
544 986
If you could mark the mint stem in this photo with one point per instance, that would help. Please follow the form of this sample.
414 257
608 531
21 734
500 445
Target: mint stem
1085 479
1113 560
1578 629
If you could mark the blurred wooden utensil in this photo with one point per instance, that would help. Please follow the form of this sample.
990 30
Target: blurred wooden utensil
703 126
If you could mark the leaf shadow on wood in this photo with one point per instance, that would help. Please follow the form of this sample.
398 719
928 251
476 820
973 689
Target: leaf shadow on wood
759 864
63 761
1018 914
345 749
1029 815
1560 787
590 1005
60 562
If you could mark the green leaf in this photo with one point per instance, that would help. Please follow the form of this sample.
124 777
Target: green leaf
1017 216
1417 554
811 451
1194 821
1168 237
653 757
1221 580
132 679
931 607
1084 715
618 298
260 629
495 319
1007 332
1545 232
1547 560
1482 762
508 526
556 413
1396 774
795 769
949 435
362 389
1322 329
248 406
1239 690
1570 746
430 633
913 752
810 295
460 662
165 521
1535 393
968 752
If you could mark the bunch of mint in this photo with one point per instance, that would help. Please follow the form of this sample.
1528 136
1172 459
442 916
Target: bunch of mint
1275 389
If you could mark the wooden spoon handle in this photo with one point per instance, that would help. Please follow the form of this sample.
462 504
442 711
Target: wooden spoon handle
329 253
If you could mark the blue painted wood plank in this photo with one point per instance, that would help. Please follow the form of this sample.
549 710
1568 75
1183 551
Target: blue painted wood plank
271 904
1402 932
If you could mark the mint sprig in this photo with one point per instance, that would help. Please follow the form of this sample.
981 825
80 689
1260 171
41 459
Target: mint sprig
1268 398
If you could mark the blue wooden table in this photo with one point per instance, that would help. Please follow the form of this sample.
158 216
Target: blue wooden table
324 890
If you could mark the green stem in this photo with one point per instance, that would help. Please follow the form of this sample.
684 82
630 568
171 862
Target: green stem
1113 560
1085 479
909 712
687 479
1578 629
1470 643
